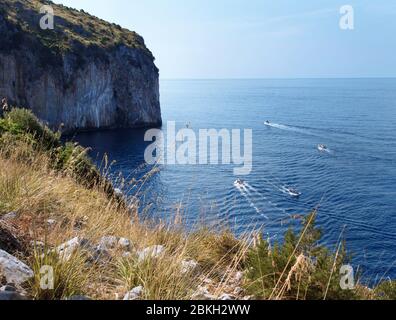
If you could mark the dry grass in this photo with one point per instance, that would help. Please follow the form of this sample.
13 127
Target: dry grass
71 277
37 193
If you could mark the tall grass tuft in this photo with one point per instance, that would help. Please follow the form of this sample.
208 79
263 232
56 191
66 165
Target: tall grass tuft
57 279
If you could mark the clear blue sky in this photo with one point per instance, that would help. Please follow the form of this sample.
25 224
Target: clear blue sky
258 38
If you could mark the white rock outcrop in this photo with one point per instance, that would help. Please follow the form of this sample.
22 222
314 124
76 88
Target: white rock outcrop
107 243
14 270
151 252
67 249
188 266
124 244
134 294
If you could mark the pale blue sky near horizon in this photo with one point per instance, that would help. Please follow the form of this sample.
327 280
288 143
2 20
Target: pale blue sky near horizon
205 39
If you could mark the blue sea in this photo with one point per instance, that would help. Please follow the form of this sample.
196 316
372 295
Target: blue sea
353 183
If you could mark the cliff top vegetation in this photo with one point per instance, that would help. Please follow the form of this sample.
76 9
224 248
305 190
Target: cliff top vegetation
73 29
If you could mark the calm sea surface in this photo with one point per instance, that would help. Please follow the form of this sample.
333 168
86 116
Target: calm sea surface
354 182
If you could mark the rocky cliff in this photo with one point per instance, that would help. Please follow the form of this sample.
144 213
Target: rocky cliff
83 74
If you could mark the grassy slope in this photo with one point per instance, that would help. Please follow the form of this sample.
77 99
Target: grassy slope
38 190
39 181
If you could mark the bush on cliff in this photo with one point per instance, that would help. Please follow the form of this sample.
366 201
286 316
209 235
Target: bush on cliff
23 121
23 126
76 31
8 126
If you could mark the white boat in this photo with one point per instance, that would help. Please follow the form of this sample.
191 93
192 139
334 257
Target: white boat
267 123
322 147
239 183
293 192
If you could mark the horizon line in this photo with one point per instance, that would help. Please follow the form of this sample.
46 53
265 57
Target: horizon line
279 78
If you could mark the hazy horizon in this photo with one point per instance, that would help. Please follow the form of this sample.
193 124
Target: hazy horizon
259 39
283 78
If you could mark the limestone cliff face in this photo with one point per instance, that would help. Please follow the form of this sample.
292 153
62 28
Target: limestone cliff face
89 84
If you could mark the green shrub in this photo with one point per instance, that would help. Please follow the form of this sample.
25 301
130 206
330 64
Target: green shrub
386 290
23 120
21 125
299 268
8 126
22 147
63 155
72 159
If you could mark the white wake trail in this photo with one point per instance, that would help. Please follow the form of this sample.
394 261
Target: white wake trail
289 128
258 193
245 193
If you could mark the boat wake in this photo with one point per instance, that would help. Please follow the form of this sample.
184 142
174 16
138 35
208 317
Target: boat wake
245 192
256 193
283 188
253 194
289 128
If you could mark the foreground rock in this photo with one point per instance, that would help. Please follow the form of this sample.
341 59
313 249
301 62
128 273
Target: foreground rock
103 252
226 297
14 270
69 248
111 242
9 293
8 240
134 294
202 293
124 244
9 216
108 246
151 252
107 243
11 296
189 266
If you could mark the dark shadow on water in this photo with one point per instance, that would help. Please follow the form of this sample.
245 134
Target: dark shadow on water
123 144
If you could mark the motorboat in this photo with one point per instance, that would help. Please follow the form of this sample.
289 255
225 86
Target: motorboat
239 183
267 123
323 147
293 192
